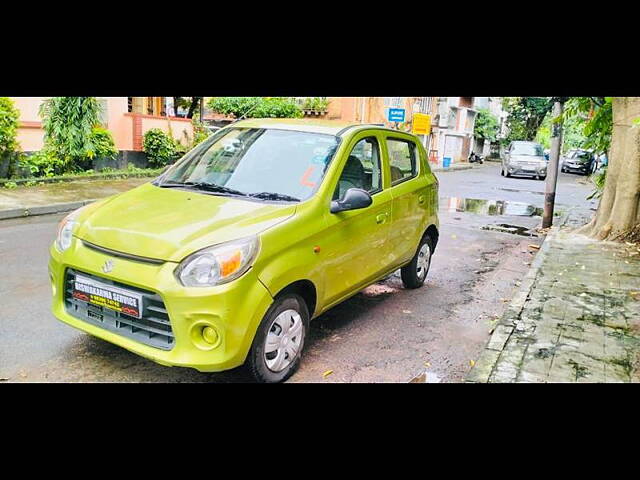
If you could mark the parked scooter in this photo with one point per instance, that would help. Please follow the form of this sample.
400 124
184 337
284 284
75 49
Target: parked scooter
475 158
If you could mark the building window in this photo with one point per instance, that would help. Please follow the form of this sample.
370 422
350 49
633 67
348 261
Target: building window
129 104
149 105
394 102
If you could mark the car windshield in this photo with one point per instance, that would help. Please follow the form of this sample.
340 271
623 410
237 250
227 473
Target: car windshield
263 163
527 149
579 155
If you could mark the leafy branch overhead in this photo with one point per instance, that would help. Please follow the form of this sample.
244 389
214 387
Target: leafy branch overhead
526 115
596 117
256 107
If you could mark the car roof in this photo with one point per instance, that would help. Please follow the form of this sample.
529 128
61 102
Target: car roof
328 127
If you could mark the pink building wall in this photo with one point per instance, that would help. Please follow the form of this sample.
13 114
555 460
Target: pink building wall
121 124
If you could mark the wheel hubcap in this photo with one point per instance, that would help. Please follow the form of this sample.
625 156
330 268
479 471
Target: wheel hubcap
283 340
424 258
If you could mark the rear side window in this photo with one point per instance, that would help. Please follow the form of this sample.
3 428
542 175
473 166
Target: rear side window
403 160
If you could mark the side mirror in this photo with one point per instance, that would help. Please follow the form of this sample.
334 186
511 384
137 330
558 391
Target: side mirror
354 199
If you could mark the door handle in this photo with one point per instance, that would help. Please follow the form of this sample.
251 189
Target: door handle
421 199
380 219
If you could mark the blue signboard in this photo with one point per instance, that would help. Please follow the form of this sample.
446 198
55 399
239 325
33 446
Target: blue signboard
396 115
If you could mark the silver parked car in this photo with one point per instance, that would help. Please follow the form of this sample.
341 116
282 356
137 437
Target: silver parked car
524 158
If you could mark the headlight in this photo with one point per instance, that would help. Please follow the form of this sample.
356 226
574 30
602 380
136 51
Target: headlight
218 264
65 230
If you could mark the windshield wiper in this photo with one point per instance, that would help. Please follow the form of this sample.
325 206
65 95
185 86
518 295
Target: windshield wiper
274 196
208 187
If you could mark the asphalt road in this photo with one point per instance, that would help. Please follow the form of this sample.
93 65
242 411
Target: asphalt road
385 334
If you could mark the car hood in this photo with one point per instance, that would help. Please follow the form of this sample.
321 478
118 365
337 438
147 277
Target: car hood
170 224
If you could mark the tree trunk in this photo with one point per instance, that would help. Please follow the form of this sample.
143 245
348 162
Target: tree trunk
195 101
176 100
618 215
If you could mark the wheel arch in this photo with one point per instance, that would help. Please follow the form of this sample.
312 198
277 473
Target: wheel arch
306 289
433 234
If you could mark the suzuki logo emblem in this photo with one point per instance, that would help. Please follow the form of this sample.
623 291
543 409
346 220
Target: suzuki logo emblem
108 266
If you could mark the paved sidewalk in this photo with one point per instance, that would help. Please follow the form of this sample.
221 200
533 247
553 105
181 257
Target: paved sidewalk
60 197
575 319
455 166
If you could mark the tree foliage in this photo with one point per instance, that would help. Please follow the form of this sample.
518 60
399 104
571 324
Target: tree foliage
256 107
9 122
595 115
159 147
68 124
486 125
526 114
103 144
572 133
9 116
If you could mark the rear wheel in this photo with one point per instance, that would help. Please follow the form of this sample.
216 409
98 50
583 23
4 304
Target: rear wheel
502 172
277 347
415 273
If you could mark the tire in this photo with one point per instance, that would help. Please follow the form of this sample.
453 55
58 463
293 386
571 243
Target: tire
415 272
268 366
543 178
502 172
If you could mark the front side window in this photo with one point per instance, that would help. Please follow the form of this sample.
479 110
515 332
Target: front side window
362 169
402 160
263 163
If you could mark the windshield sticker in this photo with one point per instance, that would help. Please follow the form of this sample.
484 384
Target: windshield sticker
305 178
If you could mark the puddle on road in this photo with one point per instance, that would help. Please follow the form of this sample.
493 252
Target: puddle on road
490 207
513 229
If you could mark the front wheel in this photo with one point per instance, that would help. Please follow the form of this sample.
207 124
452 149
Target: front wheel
277 347
415 273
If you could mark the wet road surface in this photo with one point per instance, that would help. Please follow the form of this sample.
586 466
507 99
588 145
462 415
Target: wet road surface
384 334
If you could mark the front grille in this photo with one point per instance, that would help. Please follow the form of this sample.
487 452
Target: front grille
153 329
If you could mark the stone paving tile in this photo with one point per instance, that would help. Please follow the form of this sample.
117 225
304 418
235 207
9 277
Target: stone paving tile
577 319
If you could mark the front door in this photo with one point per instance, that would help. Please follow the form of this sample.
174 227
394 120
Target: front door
357 251
412 197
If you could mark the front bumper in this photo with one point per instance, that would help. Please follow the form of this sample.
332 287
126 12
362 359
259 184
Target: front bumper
233 310
577 168
528 170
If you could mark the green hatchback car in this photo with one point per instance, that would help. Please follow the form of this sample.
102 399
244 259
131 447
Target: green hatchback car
226 257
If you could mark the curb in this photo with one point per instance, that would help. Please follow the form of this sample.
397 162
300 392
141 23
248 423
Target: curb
42 210
483 368
452 169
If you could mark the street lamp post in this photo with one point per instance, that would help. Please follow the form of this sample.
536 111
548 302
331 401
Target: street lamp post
552 168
